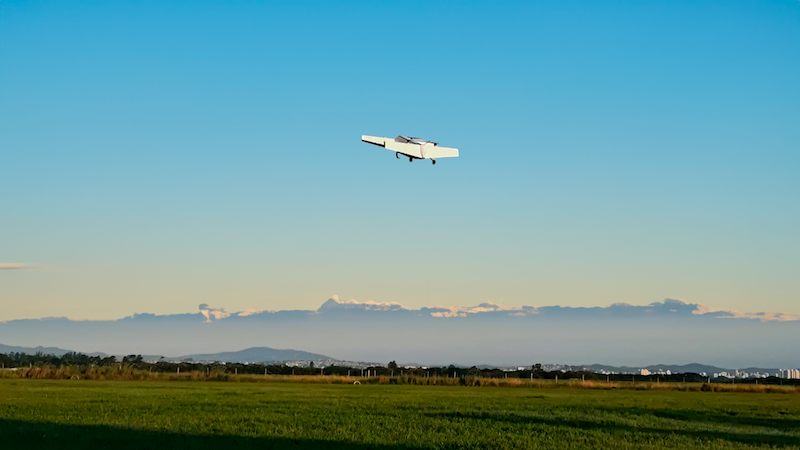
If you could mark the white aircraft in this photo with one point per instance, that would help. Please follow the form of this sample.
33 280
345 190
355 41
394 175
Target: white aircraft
414 148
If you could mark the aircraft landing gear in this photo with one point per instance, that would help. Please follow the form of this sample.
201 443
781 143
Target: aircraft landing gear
397 155
410 159
433 161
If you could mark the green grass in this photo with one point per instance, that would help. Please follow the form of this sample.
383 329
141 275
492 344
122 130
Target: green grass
125 414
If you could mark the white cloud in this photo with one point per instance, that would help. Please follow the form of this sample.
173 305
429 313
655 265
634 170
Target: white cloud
735 314
463 311
335 303
216 313
669 306
448 314
252 312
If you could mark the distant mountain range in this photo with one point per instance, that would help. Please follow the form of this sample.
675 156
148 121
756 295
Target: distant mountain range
43 350
270 355
620 335
251 355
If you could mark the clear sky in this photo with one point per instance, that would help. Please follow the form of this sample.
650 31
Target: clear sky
157 155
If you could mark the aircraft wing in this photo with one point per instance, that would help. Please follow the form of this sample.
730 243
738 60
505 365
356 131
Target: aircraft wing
436 152
374 140
391 144
425 150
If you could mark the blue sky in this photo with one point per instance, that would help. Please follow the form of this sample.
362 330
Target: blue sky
158 155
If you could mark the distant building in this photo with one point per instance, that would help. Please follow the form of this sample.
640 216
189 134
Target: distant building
644 372
790 374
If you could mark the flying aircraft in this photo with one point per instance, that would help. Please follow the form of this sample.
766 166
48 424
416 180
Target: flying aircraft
414 148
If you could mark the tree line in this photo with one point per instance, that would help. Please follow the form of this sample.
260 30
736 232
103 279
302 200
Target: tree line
137 362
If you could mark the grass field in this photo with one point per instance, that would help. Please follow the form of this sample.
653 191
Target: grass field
125 414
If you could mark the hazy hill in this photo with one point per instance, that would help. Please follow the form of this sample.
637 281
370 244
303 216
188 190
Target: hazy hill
253 354
44 350
256 354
